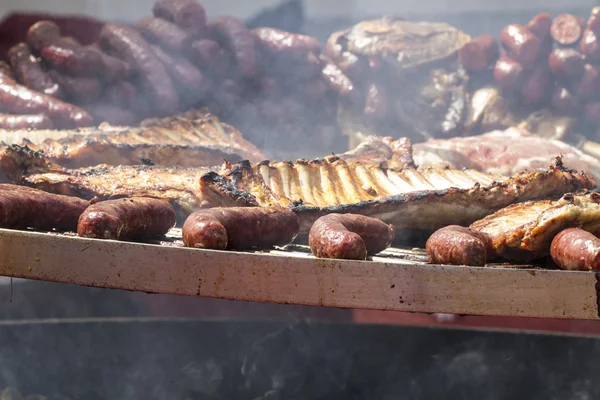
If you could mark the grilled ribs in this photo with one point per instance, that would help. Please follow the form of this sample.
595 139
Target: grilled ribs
410 199
193 139
525 231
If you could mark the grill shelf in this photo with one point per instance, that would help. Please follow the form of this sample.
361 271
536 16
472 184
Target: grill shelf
398 279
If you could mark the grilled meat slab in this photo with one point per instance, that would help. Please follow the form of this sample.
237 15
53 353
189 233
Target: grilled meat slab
525 231
193 139
502 152
408 198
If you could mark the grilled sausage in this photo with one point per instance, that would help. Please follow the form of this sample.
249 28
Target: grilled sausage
340 83
508 73
349 236
277 42
114 69
6 70
479 53
164 33
41 34
535 86
187 14
66 55
211 57
590 46
588 86
593 22
232 34
127 219
132 48
522 45
565 101
576 250
114 115
120 94
35 121
540 25
240 228
457 245
17 99
566 63
566 29
81 89
23 207
29 71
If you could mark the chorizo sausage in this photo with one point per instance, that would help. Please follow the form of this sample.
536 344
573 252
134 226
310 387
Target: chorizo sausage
576 250
457 245
535 85
590 46
522 45
164 33
566 63
240 228
593 23
132 48
115 69
540 25
67 55
508 73
187 14
211 57
5 70
41 34
127 219
29 71
566 29
565 101
18 99
349 236
81 89
120 94
23 207
35 121
479 53
234 36
588 86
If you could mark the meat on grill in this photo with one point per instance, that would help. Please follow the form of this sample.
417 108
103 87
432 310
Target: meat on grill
409 199
127 219
502 152
576 250
525 231
194 139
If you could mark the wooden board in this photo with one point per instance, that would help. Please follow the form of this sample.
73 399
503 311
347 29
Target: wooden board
399 279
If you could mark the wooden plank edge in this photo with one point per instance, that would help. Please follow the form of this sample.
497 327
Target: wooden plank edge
305 281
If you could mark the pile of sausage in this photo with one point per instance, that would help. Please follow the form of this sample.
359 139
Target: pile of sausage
547 63
344 236
264 80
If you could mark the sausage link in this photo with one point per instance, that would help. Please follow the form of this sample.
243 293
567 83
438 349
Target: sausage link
234 36
23 207
566 63
565 101
211 57
457 245
593 23
83 90
18 99
184 74
540 25
479 53
35 121
588 85
521 45
508 73
590 46
164 33
340 83
29 71
120 94
42 34
115 69
114 115
349 236
240 228
127 219
69 56
277 42
6 70
132 48
187 14
576 250
535 86
566 29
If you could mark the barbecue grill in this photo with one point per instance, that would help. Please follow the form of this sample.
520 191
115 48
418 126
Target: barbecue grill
281 324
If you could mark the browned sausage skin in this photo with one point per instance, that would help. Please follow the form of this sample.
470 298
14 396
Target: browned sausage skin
349 236
23 207
240 228
127 219
479 53
457 245
576 250
187 14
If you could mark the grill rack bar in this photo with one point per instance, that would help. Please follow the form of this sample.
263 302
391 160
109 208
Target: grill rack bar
398 279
